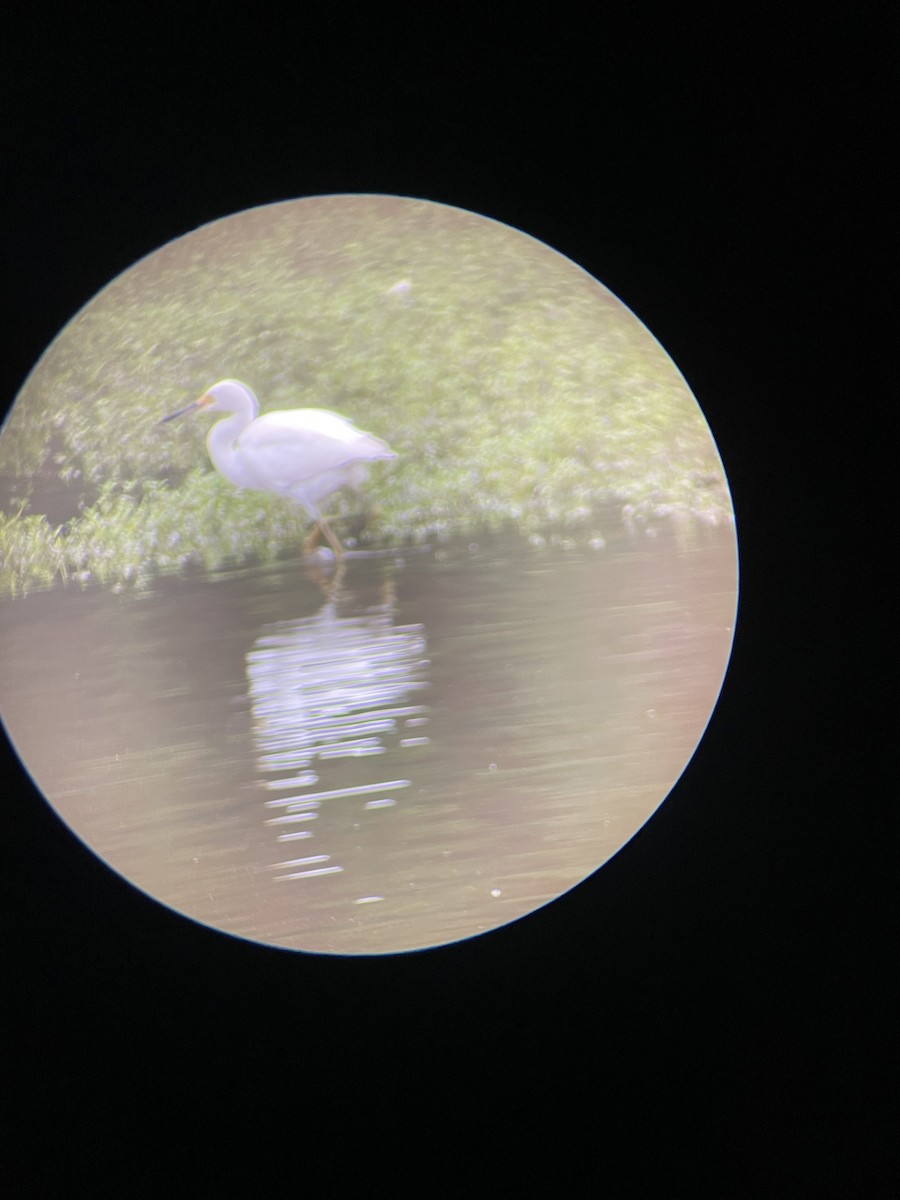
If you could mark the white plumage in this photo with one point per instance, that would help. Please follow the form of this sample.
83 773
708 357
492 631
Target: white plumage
303 453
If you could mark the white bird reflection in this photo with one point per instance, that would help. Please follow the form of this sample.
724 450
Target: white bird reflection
326 692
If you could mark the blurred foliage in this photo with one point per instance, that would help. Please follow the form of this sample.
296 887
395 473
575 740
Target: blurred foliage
517 392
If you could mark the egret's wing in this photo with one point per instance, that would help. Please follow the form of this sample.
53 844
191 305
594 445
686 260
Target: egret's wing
286 449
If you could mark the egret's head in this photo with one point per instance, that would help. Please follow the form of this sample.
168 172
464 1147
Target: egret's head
226 396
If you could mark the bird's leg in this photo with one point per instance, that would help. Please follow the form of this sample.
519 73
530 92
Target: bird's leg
335 542
321 526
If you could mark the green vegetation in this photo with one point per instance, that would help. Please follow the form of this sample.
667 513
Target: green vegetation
517 393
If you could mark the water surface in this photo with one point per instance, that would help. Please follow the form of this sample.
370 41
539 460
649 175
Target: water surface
440 745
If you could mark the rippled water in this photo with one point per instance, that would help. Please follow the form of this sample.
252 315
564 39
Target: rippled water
438 746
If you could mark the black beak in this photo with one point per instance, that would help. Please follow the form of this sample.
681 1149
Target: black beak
180 413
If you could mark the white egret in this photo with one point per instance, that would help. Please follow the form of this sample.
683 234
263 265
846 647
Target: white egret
303 453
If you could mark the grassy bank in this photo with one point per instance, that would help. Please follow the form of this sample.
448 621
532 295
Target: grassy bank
516 392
